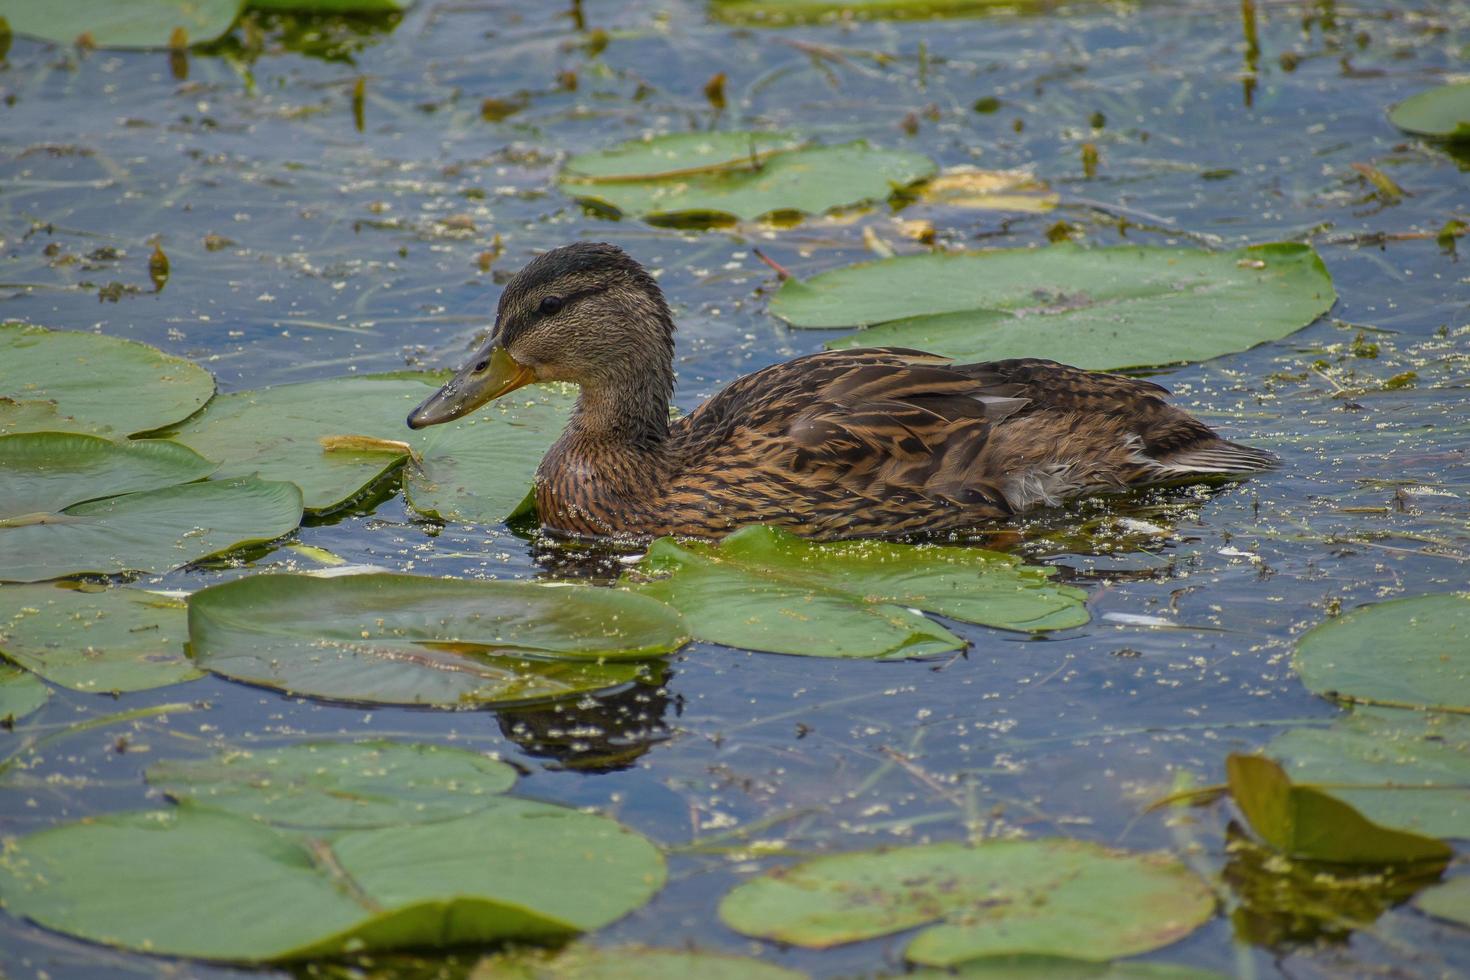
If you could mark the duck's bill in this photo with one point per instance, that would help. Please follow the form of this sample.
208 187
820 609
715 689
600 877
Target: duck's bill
471 388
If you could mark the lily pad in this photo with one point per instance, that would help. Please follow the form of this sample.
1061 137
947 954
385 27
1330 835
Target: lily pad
1443 113
151 532
95 379
1401 653
43 473
406 639
1058 968
339 784
1099 308
1406 770
765 589
223 887
336 438
21 692
134 24
578 962
1450 900
1051 897
737 176
42 415
1306 823
780 12
98 642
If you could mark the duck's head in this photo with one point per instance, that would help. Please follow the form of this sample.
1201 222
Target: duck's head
587 313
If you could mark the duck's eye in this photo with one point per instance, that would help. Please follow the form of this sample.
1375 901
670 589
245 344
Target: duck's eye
482 366
550 305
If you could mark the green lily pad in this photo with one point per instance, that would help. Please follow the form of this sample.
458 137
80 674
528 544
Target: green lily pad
1099 308
339 784
223 887
98 642
406 639
578 962
1401 653
21 692
1406 770
781 12
726 176
1450 900
42 415
133 24
336 438
94 379
1306 823
1051 897
1058 968
152 532
1443 112
765 589
43 473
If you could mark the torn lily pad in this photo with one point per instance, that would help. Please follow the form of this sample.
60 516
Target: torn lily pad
119 639
724 177
765 589
407 639
1099 308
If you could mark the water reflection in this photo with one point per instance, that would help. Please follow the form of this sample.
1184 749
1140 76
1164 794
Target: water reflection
596 733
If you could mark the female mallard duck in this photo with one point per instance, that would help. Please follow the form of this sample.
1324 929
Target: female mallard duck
847 443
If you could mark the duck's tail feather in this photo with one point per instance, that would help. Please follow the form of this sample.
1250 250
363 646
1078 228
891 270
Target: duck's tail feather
1217 456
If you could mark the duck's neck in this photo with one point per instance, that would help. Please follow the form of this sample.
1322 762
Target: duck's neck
631 415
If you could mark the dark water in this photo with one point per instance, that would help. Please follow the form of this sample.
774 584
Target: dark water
339 261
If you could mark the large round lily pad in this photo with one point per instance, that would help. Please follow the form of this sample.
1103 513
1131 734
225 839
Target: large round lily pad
765 589
152 532
1443 112
1408 770
1000 897
130 24
339 784
407 639
46 472
203 883
739 176
42 415
99 642
1402 653
127 386
1096 308
336 438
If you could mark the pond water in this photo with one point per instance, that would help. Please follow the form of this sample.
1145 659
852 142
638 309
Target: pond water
307 241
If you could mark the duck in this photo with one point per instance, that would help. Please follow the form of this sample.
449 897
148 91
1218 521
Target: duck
881 442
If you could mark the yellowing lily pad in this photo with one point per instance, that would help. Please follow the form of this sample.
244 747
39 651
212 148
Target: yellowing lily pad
1309 824
94 379
1401 653
998 898
737 176
406 639
766 589
339 784
1442 113
1097 308
100 642
211 885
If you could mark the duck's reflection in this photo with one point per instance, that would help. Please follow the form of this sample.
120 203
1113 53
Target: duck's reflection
597 732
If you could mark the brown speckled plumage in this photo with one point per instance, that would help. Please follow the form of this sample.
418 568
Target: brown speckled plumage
852 443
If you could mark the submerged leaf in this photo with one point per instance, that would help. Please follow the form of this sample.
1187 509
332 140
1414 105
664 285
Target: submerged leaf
99 642
339 784
222 887
1428 636
997 898
766 589
1095 308
99 381
1306 823
406 639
